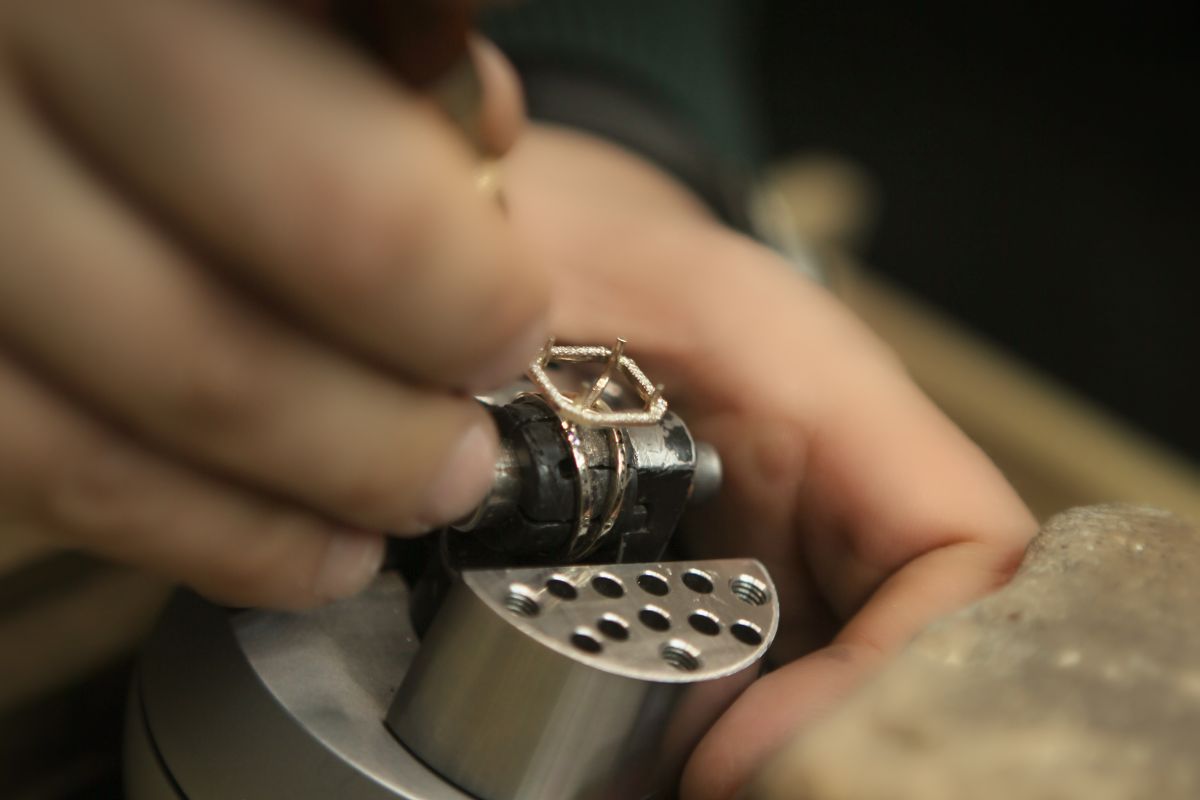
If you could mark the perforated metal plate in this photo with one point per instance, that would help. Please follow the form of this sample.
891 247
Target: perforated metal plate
674 621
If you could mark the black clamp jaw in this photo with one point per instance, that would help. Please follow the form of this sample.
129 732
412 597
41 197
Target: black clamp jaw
582 478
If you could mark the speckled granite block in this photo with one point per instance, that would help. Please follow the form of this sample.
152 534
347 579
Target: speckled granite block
1080 679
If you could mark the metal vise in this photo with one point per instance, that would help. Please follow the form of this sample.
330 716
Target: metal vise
546 648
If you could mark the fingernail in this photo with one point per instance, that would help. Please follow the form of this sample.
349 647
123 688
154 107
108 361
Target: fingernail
511 363
465 478
352 559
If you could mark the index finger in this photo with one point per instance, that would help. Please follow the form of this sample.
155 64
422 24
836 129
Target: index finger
896 517
301 170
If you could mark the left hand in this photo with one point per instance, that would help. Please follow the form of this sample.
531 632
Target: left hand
873 512
245 278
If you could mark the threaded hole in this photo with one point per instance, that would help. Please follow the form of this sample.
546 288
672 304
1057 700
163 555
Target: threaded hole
585 641
654 618
614 627
521 600
561 588
746 632
681 655
750 590
653 583
608 585
704 622
698 581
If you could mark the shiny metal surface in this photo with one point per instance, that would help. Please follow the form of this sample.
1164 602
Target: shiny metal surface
502 498
145 776
706 480
569 682
259 704
582 682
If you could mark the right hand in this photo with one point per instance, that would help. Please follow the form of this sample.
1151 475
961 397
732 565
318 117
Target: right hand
245 281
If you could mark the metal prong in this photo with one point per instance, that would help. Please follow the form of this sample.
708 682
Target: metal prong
610 367
544 356
587 406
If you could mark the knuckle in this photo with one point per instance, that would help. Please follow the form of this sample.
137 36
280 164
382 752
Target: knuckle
267 569
527 300
361 233
255 563
95 491
504 304
373 499
501 288
221 389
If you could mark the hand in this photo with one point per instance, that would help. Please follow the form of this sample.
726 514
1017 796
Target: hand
244 280
872 511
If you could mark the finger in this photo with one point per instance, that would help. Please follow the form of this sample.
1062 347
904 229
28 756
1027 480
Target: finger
762 470
891 510
839 473
503 114
68 476
339 194
785 702
880 475
767 715
122 318
865 473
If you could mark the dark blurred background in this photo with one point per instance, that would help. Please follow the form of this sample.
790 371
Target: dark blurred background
1037 164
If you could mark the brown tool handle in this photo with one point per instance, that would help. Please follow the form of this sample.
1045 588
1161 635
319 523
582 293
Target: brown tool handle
424 43
419 40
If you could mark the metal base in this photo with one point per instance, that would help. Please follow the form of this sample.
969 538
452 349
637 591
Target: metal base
271 704
582 682
146 777
542 683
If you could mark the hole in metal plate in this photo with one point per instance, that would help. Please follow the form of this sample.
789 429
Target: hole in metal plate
561 588
653 583
608 585
521 600
584 640
681 655
750 590
654 618
614 627
746 632
704 622
698 581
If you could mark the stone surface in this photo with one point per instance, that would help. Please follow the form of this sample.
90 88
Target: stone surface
1081 679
